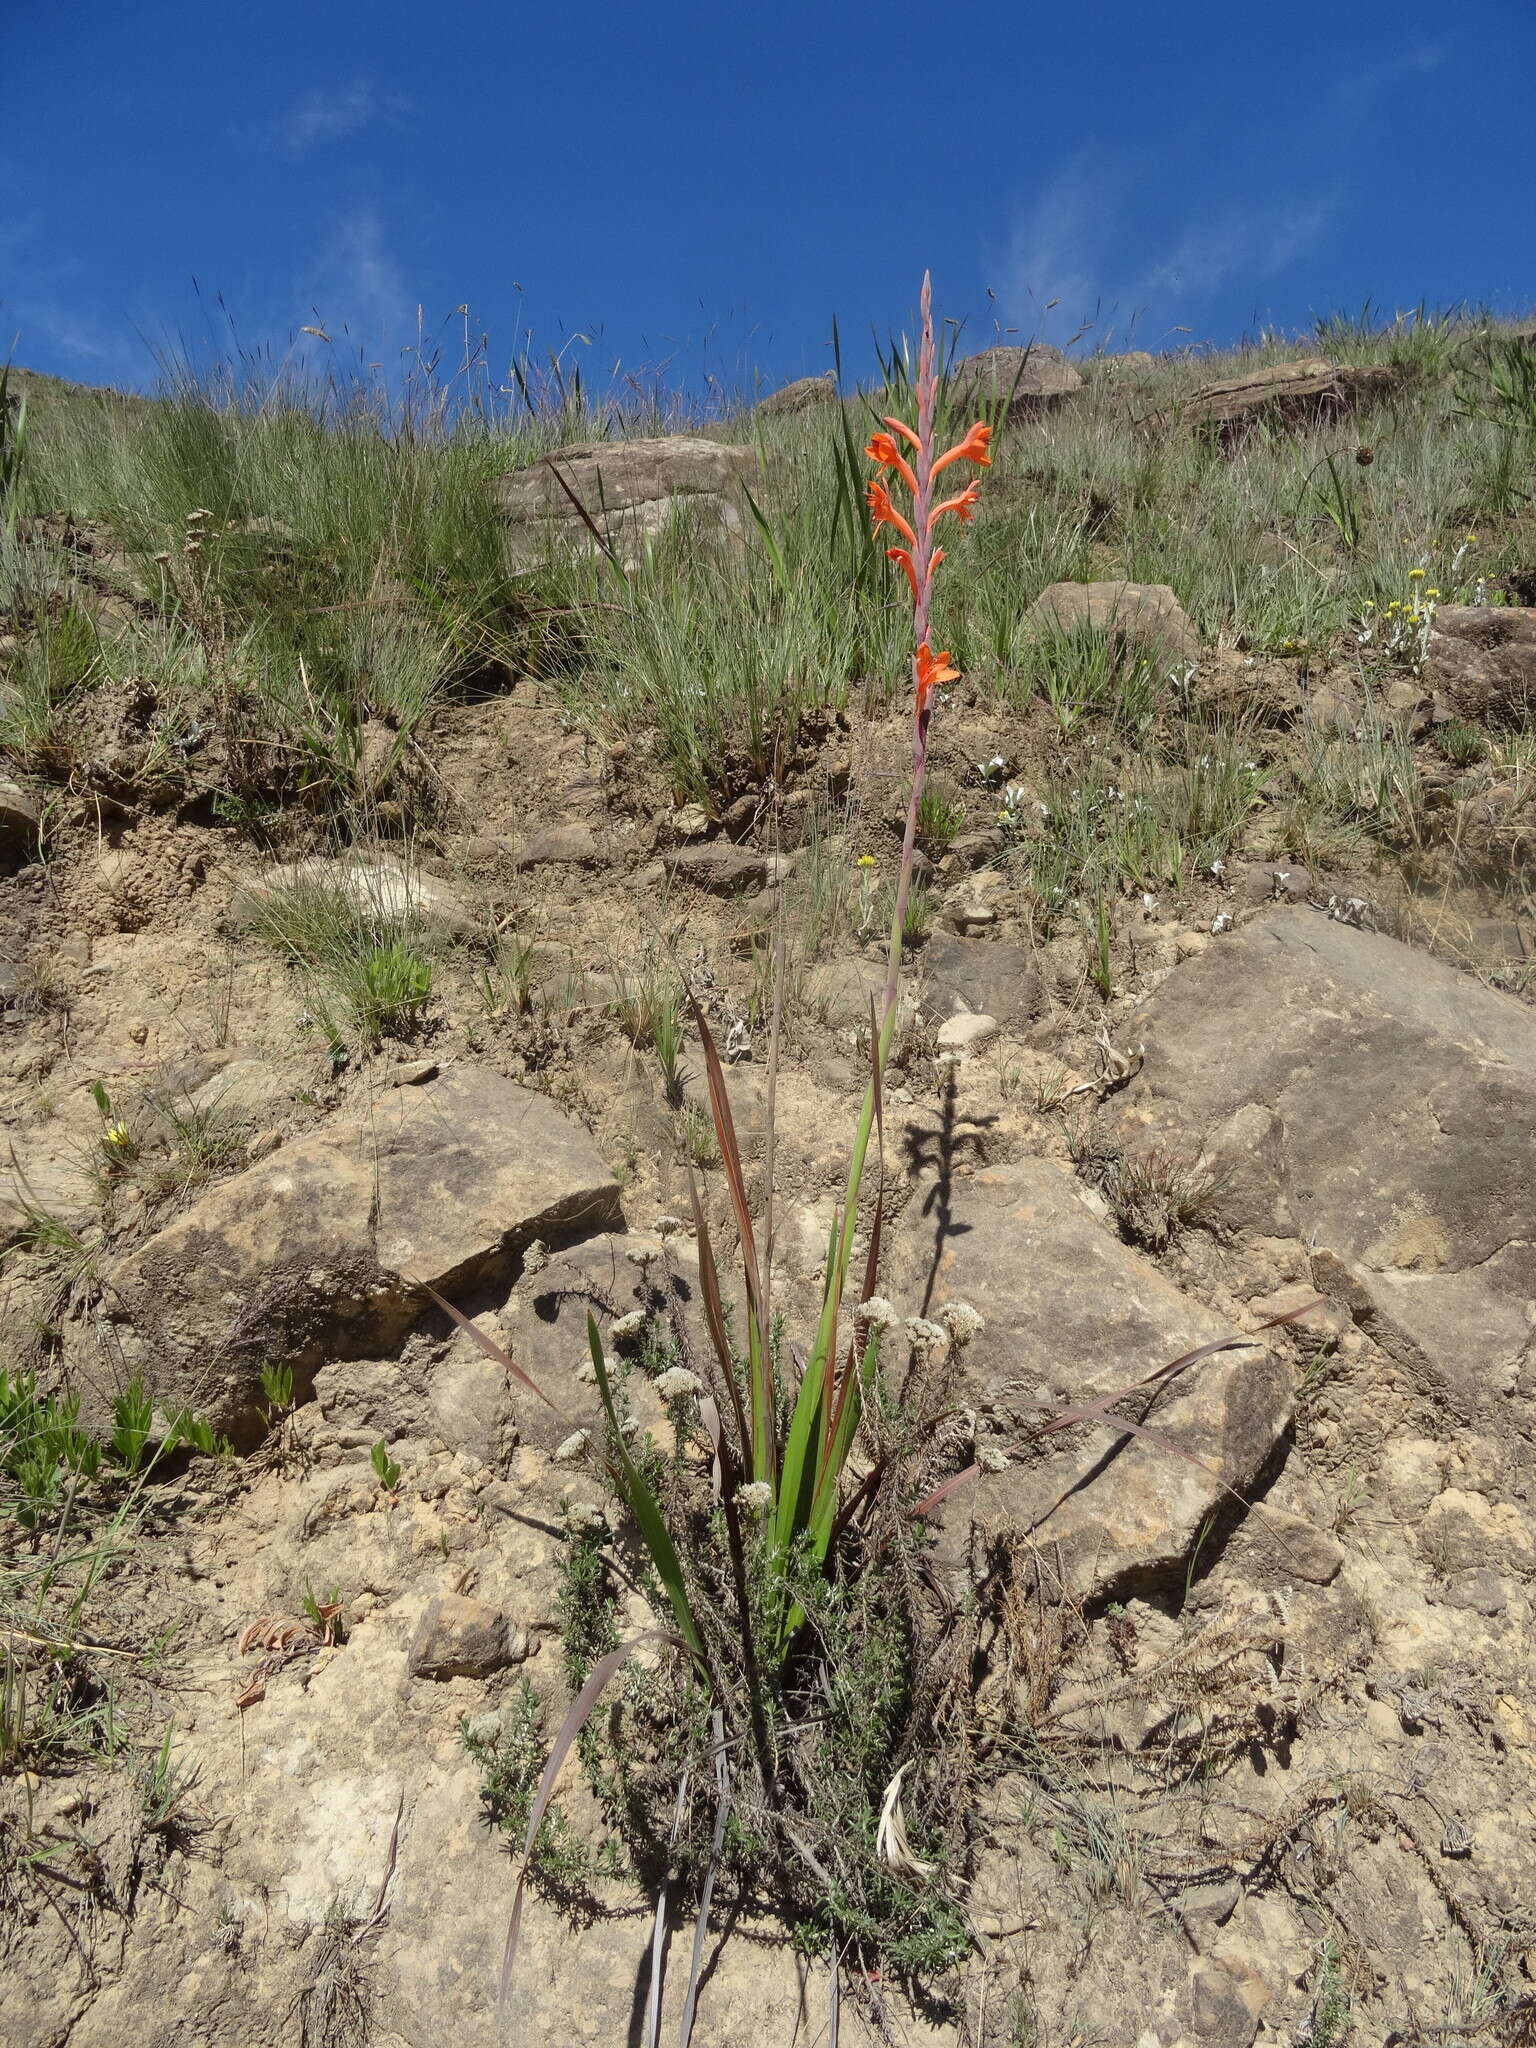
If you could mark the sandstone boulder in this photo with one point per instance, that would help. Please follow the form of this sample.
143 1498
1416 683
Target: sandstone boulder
805 394
316 1251
1072 1313
1482 658
1021 381
630 491
1143 615
1393 1105
1301 393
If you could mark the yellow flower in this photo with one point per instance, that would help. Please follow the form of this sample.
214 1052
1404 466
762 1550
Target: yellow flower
1415 574
1431 593
867 860
1471 538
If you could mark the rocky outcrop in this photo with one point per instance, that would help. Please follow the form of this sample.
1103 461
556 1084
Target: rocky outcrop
627 493
1143 615
1019 381
1071 1314
1380 1106
317 1251
1482 659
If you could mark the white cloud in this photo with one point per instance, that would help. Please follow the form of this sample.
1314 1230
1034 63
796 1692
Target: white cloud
1071 248
355 283
331 115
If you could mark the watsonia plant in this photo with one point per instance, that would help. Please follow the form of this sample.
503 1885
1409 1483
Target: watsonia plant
782 1446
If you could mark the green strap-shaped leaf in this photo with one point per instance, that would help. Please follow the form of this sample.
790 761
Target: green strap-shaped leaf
645 1508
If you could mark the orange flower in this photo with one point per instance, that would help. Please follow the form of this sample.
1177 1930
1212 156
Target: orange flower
972 449
932 669
883 449
903 429
901 555
885 513
963 506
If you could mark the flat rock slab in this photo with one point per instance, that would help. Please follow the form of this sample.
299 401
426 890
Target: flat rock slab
315 1252
1144 615
1389 1102
629 491
986 977
1071 1313
379 888
1019 380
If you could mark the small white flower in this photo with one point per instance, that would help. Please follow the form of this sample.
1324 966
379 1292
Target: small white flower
1148 904
584 1518
641 1255
1218 868
877 1311
990 1458
1221 922
536 1258
568 1452
586 1371
625 1327
962 1322
668 1226
925 1336
677 1383
756 1494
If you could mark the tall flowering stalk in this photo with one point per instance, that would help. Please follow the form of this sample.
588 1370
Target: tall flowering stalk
826 1412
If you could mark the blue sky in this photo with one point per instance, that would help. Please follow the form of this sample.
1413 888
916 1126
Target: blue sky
710 185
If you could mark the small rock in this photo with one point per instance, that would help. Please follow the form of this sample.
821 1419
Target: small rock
727 870
1275 881
1189 945
691 822
1479 1589
379 887
972 905
1333 707
560 846
967 1033
1408 704
461 1638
